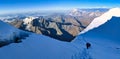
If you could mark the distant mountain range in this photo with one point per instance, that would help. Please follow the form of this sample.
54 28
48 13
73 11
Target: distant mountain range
62 26
88 12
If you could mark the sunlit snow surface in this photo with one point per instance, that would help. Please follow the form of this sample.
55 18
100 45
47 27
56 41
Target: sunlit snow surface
105 39
102 19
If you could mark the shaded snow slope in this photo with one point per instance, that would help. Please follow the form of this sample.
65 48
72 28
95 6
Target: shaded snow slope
102 19
42 47
8 34
6 31
104 36
105 40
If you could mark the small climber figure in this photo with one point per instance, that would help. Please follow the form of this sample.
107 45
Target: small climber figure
88 45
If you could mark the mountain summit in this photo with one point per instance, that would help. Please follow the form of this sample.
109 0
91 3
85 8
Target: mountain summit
102 19
104 36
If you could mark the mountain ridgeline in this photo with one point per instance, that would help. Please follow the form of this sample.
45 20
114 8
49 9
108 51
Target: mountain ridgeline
63 27
103 33
58 28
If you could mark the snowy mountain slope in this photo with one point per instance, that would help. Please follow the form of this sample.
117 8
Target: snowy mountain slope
41 47
102 19
28 20
8 33
37 46
6 30
104 36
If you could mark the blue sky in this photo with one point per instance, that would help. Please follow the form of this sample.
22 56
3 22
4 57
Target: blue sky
7 6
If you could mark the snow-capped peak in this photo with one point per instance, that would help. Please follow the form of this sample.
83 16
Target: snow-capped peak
102 19
75 10
28 20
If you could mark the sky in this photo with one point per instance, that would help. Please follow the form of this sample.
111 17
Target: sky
7 6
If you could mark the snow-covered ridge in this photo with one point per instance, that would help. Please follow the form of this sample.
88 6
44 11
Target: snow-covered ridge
102 19
8 34
28 20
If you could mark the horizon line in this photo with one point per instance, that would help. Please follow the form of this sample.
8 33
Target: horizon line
47 10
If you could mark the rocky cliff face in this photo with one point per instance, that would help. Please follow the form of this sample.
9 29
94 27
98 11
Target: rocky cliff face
61 27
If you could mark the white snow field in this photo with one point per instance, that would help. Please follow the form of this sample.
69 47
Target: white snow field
103 37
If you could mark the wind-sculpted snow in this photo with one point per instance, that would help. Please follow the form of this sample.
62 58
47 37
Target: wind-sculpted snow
102 19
